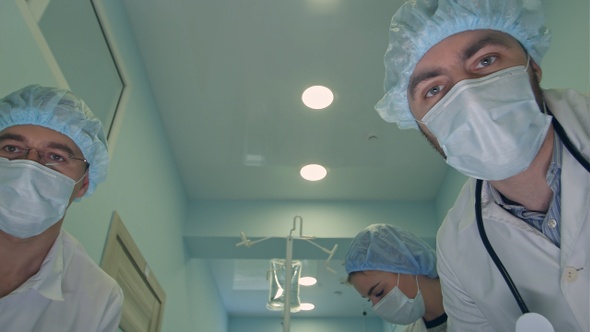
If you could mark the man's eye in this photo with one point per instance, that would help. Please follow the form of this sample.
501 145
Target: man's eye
54 157
11 149
433 91
488 60
379 294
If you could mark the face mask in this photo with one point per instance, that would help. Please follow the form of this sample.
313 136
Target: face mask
397 308
490 128
32 197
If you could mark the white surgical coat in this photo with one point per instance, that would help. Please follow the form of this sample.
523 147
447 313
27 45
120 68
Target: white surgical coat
70 293
553 282
420 326
417 326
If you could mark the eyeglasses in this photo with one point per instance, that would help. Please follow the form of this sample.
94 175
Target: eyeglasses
55 158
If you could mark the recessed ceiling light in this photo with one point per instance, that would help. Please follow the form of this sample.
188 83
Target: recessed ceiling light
313 172
307 306
317 97
307 281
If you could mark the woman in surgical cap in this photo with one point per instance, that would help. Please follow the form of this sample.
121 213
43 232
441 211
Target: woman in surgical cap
396 272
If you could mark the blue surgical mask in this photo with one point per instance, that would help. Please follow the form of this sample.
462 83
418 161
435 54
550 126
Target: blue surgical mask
32 197
491 127
396 308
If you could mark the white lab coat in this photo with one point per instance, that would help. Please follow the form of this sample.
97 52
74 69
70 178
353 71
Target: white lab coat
553 282
417 326
70 293
420 326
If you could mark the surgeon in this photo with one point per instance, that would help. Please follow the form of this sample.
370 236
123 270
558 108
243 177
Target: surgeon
466 73
52 151
396 272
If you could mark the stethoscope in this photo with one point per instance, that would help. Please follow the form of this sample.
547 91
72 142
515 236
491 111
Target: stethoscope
482 233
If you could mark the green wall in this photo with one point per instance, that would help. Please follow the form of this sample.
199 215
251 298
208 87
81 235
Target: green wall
22 59
567 63
143 185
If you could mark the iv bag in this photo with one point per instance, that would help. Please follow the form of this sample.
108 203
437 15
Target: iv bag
277 296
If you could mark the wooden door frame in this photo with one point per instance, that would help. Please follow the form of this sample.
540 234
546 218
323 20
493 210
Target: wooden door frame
118 234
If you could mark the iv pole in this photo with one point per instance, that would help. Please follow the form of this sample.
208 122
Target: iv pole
288 267
288 259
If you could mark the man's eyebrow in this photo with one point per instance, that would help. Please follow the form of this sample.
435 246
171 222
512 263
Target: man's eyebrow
414 81
53 145
470 50
15 137
61 146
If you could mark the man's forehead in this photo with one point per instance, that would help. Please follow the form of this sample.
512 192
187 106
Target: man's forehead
465 39
466 42
38 135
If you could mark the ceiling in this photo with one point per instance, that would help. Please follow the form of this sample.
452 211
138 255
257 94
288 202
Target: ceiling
227 77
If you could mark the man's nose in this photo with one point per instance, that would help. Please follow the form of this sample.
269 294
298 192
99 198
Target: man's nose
34 156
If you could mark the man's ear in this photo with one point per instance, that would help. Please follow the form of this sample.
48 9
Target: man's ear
537 70
84 188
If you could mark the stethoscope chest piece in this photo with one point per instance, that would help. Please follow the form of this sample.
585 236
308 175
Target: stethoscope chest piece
533 322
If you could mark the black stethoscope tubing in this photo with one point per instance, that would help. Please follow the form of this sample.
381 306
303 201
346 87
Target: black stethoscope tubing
482 233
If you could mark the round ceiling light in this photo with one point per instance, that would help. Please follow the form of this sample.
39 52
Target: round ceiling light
306 306
317 97
307 281
313 172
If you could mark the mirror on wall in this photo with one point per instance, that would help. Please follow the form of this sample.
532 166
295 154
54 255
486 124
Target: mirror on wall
78 42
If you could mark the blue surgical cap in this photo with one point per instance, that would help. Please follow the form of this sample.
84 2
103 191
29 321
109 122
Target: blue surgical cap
383 247
65 113
420 24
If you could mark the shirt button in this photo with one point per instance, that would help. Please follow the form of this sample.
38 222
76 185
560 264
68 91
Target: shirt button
552 223
570 274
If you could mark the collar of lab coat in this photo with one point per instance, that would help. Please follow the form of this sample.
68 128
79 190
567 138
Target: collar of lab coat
47 281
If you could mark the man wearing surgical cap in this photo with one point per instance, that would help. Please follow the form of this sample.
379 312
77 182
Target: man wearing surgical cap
52 151
466 73
396 271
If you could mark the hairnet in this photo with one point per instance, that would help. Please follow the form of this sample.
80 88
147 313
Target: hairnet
65 113
420 24
383 247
